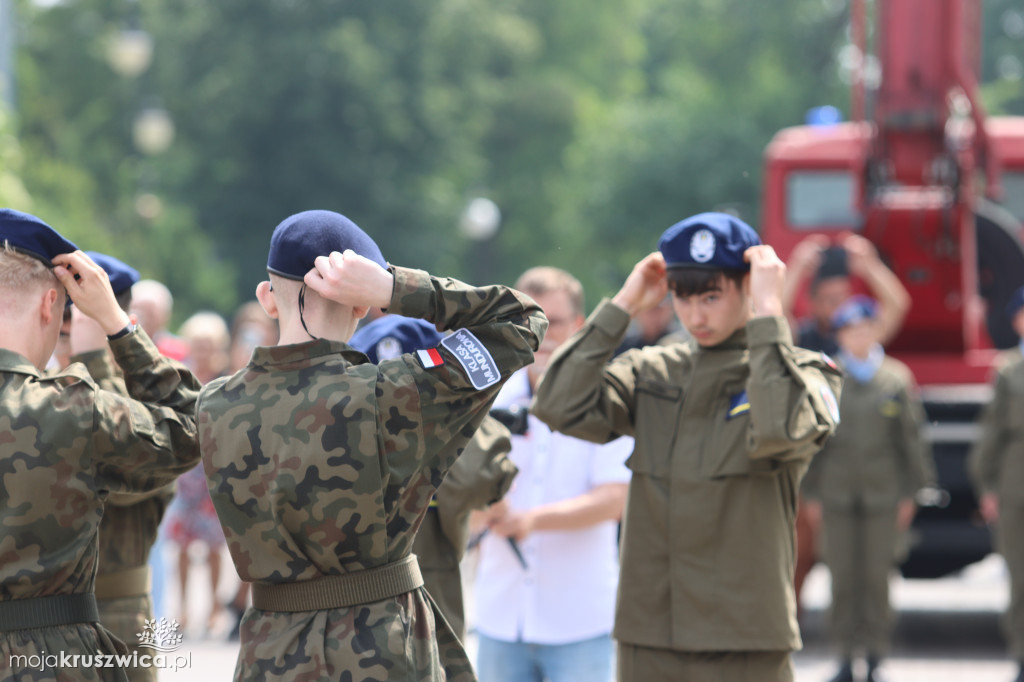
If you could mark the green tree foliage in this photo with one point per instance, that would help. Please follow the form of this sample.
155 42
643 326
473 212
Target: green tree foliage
593 126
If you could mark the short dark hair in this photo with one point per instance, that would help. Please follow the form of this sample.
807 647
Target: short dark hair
685 282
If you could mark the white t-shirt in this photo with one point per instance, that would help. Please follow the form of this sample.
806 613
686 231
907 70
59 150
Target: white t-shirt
566 593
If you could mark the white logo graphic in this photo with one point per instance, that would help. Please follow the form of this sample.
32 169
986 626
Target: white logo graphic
702 246
160 635
388 348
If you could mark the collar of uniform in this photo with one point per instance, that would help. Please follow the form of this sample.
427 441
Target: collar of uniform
298 352
738 341
16 362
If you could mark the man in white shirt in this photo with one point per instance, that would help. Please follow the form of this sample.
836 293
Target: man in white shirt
548 570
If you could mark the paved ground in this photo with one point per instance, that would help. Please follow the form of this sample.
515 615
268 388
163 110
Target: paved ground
947 630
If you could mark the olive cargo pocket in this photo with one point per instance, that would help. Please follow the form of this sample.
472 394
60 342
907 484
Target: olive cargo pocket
729 451
657 418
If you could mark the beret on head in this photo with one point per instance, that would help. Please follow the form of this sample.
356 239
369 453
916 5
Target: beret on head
1015 304
300 238
708 240
122 276
393 335
31 236
855 309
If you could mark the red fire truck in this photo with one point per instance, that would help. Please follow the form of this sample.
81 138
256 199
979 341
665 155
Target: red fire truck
938 186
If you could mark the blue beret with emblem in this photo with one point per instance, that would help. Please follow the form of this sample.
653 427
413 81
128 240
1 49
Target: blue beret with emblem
121 276
393 335
855 309
708 240
1015 304
30 235
300 238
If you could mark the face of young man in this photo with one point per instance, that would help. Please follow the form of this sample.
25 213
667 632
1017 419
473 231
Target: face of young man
563 322
713 316
858 339
829 294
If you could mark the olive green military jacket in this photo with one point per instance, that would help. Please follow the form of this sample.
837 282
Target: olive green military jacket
481 476
723 437
996 462
878 455
64 445
321 464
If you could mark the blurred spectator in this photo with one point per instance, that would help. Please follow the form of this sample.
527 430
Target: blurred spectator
833 268
651 327
863 484
250 327
830 269
997 470
548 568
151 307
191 518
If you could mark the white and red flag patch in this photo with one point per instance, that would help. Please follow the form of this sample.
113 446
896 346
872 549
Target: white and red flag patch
430 358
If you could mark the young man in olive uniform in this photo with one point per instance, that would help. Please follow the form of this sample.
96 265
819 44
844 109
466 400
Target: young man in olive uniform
64 445
725 425
997 468
863 484
481 475
130 521
322 465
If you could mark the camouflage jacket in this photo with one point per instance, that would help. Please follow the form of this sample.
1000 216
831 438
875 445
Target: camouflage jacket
130 520
320 463
64 445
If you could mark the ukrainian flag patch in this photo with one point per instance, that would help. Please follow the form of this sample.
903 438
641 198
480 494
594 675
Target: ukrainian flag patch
738 404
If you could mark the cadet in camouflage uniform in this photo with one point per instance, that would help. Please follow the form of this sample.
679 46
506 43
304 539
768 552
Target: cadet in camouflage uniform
997 467
481 475
863 484
724 425
322 465
65 444
130 521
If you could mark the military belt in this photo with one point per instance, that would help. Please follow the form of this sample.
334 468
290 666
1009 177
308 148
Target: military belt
339 591
45 612
132 582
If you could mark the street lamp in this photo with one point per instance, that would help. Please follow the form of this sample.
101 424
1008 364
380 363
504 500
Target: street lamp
129 52
480 219
153 131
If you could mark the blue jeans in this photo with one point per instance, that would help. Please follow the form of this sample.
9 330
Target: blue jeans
586 661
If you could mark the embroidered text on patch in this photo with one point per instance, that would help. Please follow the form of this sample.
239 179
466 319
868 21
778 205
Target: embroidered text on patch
474 358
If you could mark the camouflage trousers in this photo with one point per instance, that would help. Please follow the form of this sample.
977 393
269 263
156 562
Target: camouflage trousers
48 654
126 618
403 638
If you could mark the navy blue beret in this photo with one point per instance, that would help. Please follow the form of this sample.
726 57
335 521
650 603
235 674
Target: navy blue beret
1015 304
300 238
392 335
855 309
122 276
31 236
708 240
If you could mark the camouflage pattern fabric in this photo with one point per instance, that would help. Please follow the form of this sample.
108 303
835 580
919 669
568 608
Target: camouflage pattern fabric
481 476
322 464
127 533
64 444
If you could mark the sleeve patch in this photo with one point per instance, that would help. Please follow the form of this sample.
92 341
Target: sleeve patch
430 358
738 404
830 402
474 358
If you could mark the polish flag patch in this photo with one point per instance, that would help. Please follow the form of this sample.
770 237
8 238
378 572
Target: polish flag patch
430 358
